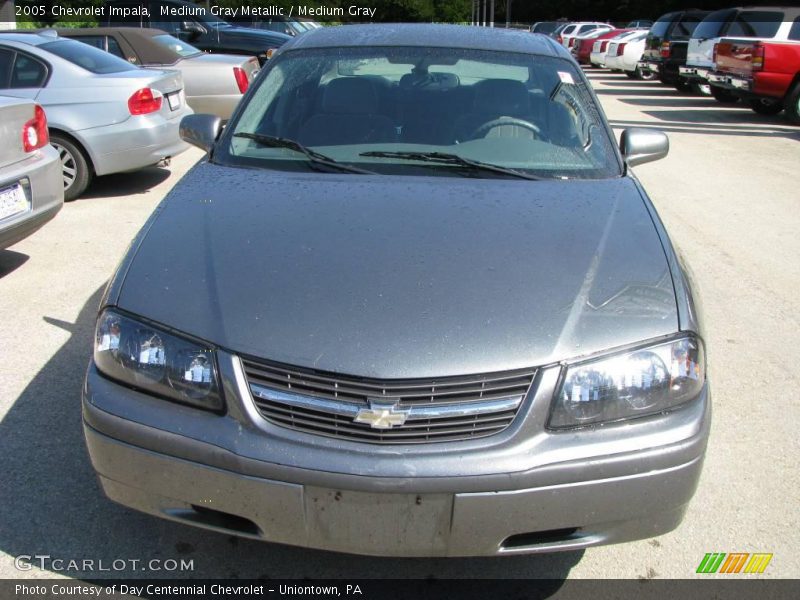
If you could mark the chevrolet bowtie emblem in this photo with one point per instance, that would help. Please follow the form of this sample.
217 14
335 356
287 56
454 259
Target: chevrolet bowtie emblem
382 415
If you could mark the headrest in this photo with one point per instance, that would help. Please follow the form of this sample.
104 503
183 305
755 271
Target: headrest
501 96
350 95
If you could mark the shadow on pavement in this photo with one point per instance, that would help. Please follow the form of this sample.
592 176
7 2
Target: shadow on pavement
52 505
11 261
126 184
683 101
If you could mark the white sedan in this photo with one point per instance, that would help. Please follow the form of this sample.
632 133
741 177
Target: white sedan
624 54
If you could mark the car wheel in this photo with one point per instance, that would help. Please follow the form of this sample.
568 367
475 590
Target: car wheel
724 96
793 105
74 166
701 89
645 75
766 106
631 74
684 87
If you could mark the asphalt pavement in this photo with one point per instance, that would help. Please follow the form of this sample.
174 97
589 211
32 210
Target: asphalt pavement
728 193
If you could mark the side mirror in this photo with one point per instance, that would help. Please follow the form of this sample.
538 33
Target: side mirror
200 130
640 145
192 28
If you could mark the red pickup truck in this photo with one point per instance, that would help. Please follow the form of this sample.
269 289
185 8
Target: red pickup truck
766 74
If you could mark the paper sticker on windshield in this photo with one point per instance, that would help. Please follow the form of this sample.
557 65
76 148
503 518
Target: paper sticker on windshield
566 77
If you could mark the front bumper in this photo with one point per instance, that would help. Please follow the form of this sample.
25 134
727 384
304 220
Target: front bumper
245 478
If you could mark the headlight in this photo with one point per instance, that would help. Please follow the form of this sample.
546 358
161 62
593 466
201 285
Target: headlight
635 384
154 361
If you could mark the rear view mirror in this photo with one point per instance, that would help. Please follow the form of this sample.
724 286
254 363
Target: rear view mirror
640 145
200 130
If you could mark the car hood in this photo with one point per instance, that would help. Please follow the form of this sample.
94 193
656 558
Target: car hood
396 277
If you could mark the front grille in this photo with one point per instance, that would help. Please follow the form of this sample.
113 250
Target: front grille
391 411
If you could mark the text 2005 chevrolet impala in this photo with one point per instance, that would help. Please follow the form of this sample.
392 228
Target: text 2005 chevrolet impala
413 303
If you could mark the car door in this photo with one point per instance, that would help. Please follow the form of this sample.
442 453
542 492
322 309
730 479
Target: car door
21 75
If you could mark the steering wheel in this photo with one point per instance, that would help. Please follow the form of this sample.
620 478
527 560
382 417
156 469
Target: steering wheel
505 121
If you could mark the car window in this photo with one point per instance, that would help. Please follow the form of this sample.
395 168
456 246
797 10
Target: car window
27 72
98 41
712 25
755 23
87 57
794 32
660 27
6 60
686 26
524 112
114 48
179 47
568 30
168 26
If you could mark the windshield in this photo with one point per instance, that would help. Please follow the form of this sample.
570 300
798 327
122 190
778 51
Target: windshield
516 111
88 57
177 46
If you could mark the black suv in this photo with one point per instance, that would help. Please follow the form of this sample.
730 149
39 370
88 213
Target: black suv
667 41
202 30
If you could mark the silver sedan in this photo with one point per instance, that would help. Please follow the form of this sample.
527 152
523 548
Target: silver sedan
214 82
105 115
30 180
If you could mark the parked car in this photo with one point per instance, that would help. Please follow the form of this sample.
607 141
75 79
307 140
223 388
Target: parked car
202 30
765 74
568 34
546 27
600 47
583 44
213 83
624 54
763 23
699 53
286 25
30 171
665 48
639 24
460 325
557 31
104 114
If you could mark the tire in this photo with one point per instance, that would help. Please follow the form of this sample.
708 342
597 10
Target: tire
764 106
74 167
724 96
684 87
701 89
645 75
793 104
631 74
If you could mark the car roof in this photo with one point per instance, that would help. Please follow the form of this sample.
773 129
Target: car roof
428 35
32 39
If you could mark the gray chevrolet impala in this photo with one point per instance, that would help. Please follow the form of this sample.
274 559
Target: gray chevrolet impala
413 302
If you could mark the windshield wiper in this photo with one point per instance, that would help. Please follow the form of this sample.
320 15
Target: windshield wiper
313 156
445 158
